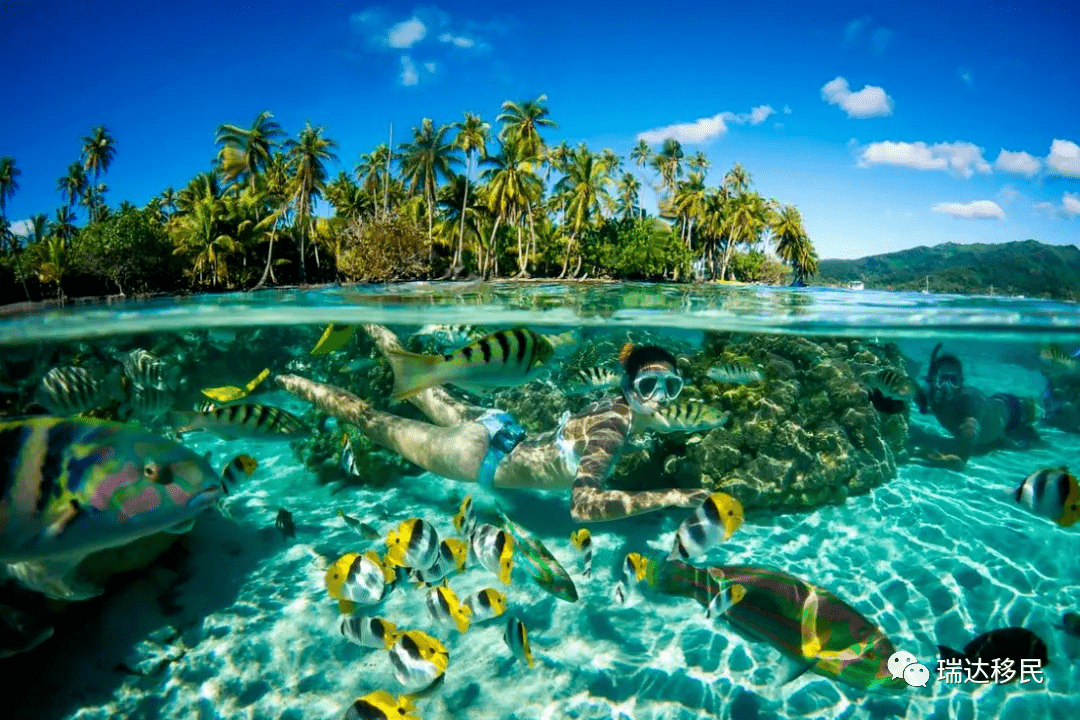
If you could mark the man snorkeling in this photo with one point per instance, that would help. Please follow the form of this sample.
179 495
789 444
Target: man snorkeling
468 443
978 422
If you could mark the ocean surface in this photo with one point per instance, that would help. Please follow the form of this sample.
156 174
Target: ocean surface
240 625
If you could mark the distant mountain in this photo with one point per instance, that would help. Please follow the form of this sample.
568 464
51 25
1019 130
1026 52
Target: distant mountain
1026 268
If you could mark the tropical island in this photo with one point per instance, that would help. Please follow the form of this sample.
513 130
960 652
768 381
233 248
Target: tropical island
457 200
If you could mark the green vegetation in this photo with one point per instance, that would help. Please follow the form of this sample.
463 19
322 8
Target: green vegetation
453 200
1027 268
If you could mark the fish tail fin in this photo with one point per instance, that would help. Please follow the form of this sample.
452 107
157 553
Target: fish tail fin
333 339
181 420
255 381
811 643
413 372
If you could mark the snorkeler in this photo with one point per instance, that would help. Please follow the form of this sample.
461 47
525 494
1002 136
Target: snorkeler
473 444
978 422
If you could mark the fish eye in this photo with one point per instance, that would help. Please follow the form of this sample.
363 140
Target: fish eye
152 471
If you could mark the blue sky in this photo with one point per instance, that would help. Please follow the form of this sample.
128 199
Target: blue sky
888 125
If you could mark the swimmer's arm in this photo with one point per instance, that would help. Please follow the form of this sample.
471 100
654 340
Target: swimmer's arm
591 501
967 436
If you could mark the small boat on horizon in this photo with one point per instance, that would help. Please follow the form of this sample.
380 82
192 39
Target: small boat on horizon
856 285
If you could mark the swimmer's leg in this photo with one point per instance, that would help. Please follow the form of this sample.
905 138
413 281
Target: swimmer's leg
453 452
437 404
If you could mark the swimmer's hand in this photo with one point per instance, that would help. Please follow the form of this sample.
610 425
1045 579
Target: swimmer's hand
942 460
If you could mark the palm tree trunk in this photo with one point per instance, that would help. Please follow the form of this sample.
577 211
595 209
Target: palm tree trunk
430 232
493 255
267 271
532 242
455 265
521 252
302 211
566 257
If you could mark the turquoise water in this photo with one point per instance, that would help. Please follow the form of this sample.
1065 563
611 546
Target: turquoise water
239 625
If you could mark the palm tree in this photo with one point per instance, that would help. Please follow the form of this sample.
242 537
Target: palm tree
372 171
793 245
689 202
54 263
423 161
522 122
306 156
8 184
350 201
714 223
251 148
747 217
472 136
585 188
99 149
73 185
63 226
611 160
628 194
511 187
200 233
464 210
668 164
641 154
737 180
37 227
277 193
699 162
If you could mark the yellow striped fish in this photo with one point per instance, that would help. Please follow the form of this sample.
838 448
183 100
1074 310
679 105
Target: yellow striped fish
418 660
582 540
501 359
413 544
713 522
892 384
243 420
444 607
486 604
373 632
517 639
494 548
381 705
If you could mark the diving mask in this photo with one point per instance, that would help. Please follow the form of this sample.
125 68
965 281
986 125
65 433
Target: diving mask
943 380
649 383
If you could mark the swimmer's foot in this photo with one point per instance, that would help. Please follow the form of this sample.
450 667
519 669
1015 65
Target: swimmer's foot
940 460
383 337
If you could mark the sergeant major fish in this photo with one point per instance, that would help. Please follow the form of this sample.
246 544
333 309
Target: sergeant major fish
734 374
892 384
594 378
686 417
71 487
74 390
242 420
502 359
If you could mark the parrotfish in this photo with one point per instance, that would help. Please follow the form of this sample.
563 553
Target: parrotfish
381 705
502 359
71 487
807 623
540 564
418 660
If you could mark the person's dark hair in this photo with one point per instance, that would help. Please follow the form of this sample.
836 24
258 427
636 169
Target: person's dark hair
634 358
936 361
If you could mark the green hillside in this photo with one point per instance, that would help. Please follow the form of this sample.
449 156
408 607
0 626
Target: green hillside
1026 268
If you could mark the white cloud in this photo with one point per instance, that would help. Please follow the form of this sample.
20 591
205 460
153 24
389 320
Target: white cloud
1069 208
707 128
966 75
854 28
1020 163
1064 158
406 34
1070 204
962 158
457 40
430 67
409 75
787 110
985 209
1007 194
20 227
871 101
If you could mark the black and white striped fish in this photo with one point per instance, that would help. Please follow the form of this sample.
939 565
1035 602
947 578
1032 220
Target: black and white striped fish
241 420
1051 493
373 632
486 604
713 522
465 520
418 659
453 554
502 359
494 549
734 374
145 370
413 544
73 390
444 607
892 384
582 540
149 402
517 639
